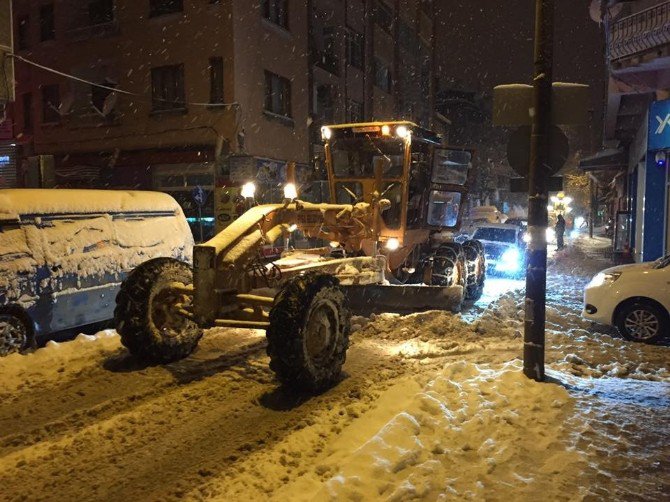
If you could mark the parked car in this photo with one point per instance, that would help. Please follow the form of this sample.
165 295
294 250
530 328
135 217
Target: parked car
635 298
504 248
64 253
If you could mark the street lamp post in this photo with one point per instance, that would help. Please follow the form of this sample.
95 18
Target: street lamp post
536 275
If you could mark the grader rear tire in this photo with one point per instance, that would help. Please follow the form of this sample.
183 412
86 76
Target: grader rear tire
145 316
308 335
476 265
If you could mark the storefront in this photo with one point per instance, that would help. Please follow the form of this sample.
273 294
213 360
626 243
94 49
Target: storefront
651 221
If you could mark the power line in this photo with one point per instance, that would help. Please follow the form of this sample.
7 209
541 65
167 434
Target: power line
116 89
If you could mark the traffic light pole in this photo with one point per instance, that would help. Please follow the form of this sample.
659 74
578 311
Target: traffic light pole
536 274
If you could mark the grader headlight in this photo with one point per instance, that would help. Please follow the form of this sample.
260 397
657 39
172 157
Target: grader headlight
402 132
248 190
392 244
290 191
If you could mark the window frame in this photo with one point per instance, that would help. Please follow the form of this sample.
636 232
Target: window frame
285 96
51 27
47 112
217 89
101 3
161 104
27 105
276 12
158 8
23 32
351 36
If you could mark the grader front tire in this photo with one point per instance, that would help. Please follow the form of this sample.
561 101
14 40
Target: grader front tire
476 265
145 316
308 335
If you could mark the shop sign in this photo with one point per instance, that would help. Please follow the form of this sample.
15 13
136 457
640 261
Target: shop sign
659 125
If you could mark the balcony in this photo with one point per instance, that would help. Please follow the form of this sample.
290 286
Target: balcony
643 32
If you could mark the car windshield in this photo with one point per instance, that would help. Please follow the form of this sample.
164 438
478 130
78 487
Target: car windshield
496 234
662 262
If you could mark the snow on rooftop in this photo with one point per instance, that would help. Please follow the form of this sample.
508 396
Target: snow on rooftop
20 201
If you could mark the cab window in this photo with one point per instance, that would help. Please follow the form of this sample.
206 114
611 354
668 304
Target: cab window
391 217
443 208
451 166
356 157
342 196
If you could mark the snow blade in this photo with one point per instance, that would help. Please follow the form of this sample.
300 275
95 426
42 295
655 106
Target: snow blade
402 299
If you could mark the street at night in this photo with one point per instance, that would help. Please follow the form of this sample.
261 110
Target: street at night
428 404
345 250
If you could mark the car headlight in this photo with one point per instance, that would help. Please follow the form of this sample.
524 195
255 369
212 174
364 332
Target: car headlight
603 278
510 260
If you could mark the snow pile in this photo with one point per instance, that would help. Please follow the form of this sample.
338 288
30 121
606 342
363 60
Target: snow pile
474 432
52 361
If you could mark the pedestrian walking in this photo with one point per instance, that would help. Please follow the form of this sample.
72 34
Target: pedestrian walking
560 231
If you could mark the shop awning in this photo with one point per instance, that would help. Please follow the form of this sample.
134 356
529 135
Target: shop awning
605 160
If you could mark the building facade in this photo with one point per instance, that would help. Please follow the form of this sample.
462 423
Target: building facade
636 132
370 60
176 94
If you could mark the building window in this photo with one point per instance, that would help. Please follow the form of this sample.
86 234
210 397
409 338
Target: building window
276 11
162 7
27 101
327 57
427 7
50 104
382 75
167 88
384 17
47 24
100 11
354 111
277 94
325 101
104 100
23 31
216 80
355 49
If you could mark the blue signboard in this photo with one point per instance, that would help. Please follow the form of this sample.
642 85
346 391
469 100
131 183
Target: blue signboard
659 125
199 195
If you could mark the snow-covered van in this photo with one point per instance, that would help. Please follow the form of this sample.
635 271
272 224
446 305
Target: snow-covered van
64 253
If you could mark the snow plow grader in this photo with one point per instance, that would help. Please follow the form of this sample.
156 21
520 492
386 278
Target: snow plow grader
396 197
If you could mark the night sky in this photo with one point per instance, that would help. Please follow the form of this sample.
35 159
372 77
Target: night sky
483 43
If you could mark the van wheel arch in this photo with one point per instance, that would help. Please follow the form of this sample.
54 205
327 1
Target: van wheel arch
20 319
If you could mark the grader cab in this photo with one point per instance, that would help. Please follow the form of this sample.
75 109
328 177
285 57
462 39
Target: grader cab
396 199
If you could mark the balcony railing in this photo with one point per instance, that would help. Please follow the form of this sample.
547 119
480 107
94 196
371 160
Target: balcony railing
640 32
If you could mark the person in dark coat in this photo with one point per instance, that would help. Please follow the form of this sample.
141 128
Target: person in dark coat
560 231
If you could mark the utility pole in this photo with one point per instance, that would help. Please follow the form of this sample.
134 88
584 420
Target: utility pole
536 275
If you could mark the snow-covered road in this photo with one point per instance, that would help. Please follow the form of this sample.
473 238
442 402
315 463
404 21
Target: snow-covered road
432 405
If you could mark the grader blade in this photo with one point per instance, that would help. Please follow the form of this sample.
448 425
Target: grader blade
404 299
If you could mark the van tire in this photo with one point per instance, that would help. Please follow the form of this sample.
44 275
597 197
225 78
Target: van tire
308 334
148 326
16 330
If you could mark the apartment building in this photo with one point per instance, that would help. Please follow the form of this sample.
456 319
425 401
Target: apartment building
636 137
181 85
371 60
173 94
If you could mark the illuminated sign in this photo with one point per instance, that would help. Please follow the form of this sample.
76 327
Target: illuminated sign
4 159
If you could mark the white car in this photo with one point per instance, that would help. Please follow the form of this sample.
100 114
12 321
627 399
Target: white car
634 298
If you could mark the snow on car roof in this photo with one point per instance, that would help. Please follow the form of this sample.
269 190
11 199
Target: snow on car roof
20 201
